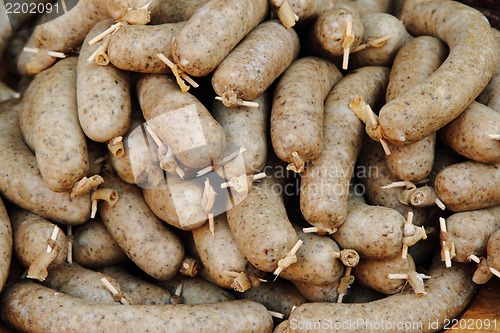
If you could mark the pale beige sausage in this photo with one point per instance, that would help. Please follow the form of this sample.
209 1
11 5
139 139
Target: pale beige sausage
103 92
141 235
490 95
413 64
365 7
5 244
93 246
20 179
139 162
31 233
76 315
213 31
378 25
68 31
178 202
373 273
245 127
373 173
172 11
470 231
329 32
30 64
375 232
308 9
197 290
469 186
298 108
469 134
315 261
261 227
432 104
260 58
50 127
441 303
220 254
137 289
181 121
73 279
493 251
325 184
314 293
279 296
135 47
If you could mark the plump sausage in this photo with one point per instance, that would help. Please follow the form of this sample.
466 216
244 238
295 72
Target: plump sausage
213 31
432 104
325 184
298 107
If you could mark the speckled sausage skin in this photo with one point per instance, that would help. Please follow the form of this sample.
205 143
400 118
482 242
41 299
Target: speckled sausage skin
246 127
373 273
5 244
261 227
20 179
364 7
309 9
313 293
414 63
470 231
280 296
26 306
141 235
197 141
138 290
139 163
30 64
325 184
103 93
315 262
448 293
298 108
73 279
375 232
93 246
67 31
493 250
469 186
213 31
31 233
442 97
373 173
50 127
378 25
197 290
491 94
219 252
329 32
134 47
172 11
257 61
177 197
468 134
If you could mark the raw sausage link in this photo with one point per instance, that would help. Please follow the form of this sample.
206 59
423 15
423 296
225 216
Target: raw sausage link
325 184
256 62
414 63
20 179
298 107
213 31
432 104
29 307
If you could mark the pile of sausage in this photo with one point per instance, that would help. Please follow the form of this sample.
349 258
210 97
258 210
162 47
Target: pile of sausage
247 166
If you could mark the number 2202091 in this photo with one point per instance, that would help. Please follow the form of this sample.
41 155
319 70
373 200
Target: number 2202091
31 8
